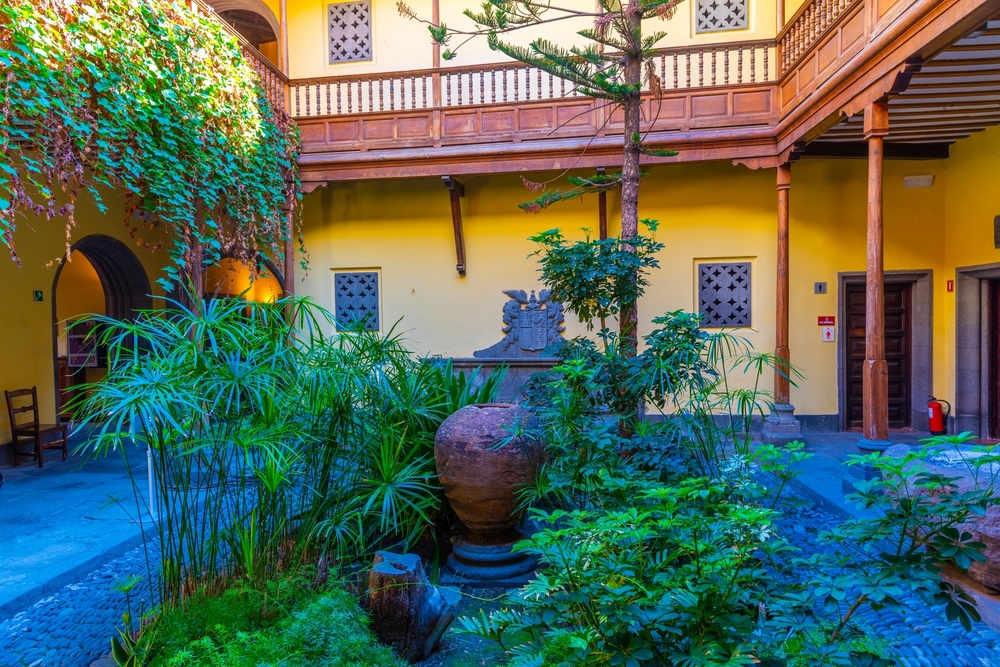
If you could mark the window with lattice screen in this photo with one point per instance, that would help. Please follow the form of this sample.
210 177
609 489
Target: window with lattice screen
719 15
356 299
724 294
350 31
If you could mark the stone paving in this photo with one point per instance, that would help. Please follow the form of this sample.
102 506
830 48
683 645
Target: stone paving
73 627
921 636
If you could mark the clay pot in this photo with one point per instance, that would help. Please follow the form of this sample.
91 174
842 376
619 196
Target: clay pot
480 480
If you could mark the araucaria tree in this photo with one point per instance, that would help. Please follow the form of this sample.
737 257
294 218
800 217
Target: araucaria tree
615 66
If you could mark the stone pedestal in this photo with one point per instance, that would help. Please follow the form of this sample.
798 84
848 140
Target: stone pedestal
866 445
781 426
488 565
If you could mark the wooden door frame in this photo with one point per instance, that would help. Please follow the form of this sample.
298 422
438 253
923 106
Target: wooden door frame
921 339
972 350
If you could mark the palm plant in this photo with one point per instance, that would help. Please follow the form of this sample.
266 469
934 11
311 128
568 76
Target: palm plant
271 441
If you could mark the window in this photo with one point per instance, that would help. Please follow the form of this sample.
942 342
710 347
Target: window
718 15
350 31
724 294
356 299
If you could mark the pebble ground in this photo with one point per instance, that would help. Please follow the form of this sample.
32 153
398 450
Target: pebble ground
73 627
921 636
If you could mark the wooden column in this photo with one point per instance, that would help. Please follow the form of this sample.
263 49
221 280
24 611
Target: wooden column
781 426
782 388
876 375
436 55
283 38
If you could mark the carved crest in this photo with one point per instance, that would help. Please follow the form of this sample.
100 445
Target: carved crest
530 325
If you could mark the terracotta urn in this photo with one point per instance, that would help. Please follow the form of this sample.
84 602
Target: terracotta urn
479 477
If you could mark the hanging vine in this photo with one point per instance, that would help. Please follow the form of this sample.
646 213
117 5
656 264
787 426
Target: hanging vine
147 96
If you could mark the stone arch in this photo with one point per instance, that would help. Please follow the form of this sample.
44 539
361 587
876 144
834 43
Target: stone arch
255 6
123 278
124 281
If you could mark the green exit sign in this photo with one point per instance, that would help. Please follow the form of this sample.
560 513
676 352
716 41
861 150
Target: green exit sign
39 295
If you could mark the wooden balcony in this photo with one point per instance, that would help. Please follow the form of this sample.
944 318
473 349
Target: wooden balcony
274 83
479 119
757 103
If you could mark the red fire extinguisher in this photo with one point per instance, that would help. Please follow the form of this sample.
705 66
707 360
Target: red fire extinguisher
936 417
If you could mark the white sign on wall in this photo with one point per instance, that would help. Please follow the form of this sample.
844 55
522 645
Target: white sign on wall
828 334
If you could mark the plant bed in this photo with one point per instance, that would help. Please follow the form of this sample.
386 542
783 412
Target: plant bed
289 624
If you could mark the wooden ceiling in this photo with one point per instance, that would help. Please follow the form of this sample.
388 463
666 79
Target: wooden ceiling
952 96
251 25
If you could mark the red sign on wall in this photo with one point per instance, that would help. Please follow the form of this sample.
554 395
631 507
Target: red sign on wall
826 320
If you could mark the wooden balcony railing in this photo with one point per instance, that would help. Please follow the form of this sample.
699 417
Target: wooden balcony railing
272 80
809 25
507 83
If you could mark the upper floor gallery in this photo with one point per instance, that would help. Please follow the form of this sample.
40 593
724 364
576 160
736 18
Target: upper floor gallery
753 81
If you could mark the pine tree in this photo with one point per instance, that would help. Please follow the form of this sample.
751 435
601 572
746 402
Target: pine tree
615 66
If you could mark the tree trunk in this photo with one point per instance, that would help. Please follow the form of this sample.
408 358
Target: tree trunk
628 314
407 612
631 107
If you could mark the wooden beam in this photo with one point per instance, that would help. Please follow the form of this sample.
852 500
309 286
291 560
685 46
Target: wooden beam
457 191
876 371
602 208
858 149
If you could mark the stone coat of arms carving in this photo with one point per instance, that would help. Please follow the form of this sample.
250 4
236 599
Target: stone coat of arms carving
530 325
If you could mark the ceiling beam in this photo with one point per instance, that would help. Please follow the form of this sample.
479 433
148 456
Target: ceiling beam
859 149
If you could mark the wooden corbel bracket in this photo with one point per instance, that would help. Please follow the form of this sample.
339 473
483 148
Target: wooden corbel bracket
457 191
309 187
787 156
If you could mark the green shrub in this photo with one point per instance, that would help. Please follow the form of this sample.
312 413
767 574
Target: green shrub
329 630
661 547
271 441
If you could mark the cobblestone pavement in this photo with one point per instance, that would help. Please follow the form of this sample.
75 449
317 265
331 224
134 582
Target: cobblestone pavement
73 628
922 636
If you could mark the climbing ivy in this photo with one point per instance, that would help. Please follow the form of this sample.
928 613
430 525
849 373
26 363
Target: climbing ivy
148 96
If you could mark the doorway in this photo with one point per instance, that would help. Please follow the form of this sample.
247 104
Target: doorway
108 280
909 299
993 343
898 347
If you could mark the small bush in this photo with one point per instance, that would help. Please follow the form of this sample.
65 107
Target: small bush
328 630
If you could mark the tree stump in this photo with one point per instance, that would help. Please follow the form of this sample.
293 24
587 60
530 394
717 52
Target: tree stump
407 612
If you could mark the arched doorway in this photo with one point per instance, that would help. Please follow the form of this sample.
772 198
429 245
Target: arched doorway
104 277
229 278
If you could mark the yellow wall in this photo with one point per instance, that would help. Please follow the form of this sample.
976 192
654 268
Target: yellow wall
973 201
26 355
402 44
706 211
79 290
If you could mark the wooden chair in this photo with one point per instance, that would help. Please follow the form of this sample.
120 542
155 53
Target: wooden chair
32 432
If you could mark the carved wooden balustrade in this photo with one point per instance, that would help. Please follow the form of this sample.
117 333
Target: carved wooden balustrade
809 25
750 102
510 83
274 83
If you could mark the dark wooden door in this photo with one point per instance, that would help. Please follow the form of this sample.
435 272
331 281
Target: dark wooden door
994 342
897 353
